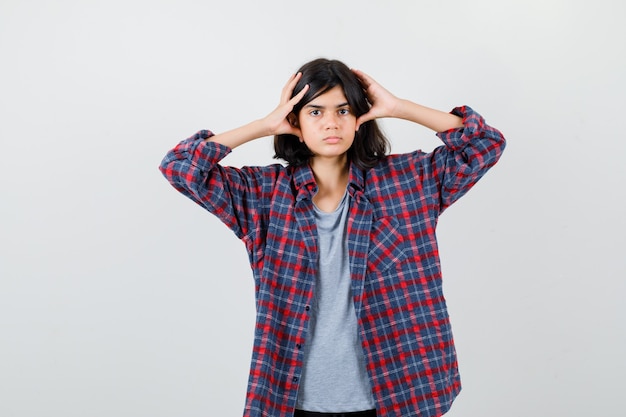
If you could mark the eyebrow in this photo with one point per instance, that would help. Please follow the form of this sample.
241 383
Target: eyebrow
317 106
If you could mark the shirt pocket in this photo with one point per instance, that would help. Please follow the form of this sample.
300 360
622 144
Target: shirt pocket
387 245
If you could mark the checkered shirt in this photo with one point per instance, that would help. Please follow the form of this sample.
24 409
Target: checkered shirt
403 322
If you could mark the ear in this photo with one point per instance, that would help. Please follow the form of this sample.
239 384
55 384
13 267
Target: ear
292 119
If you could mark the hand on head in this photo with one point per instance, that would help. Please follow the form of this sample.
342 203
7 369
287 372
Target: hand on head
278 120
383 102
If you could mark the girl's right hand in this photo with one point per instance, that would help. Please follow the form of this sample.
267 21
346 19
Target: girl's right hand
277 122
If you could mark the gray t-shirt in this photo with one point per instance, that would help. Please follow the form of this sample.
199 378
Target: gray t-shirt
334 377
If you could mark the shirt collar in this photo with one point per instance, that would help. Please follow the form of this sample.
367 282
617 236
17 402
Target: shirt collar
356 180
305 185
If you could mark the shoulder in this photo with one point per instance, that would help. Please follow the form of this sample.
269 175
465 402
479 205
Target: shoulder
398 174
397 163
267 174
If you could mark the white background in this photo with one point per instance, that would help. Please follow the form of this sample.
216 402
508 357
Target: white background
120 297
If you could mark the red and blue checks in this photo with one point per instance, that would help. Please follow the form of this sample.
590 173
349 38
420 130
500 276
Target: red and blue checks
404 326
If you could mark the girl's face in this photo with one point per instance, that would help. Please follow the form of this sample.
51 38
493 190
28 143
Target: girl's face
328 124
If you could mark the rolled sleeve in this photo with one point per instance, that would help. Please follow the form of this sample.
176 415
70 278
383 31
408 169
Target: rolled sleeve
469 152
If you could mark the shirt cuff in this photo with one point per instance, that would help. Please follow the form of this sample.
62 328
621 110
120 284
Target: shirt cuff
473 125
205 154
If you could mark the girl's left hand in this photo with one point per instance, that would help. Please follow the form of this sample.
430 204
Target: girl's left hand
383 102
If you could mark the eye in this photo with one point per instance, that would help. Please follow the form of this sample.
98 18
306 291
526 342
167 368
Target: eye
315 112
344 111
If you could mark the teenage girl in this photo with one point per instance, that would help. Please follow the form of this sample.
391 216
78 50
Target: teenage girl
350 315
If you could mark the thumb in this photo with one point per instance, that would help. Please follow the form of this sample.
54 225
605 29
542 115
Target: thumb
366 117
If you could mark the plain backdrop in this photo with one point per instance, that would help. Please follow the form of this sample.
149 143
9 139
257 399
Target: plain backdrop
120 297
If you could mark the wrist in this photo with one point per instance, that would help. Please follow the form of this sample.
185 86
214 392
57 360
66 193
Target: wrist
404 109
260 128
267 126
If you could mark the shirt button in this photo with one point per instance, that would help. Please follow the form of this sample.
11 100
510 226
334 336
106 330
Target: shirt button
307 308
298 345
295 379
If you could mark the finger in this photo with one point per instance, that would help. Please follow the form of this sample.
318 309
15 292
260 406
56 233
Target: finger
288 88
296 99
365 79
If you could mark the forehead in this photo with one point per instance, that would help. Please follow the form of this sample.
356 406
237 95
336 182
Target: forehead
333 97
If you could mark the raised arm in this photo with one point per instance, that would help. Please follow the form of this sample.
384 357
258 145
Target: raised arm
471 147
275 123
385 104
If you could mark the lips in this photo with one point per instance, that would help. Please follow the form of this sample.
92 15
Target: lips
332 139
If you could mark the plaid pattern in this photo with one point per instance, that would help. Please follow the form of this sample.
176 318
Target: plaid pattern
394 262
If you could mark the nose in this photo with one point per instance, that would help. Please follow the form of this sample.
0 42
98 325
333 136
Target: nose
331 120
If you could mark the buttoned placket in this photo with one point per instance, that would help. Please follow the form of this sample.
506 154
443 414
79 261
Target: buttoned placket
305 218
300 345
360 220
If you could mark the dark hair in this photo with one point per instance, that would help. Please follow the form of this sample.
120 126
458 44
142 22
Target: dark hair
370 144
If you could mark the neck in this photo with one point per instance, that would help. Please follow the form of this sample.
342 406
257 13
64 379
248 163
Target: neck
331 174
332 180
